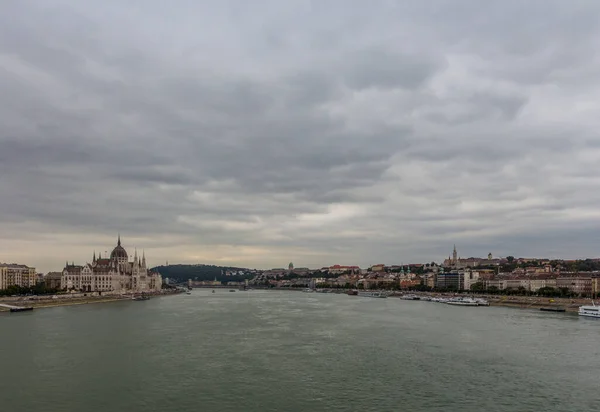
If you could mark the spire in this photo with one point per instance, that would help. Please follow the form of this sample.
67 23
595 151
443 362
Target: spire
93 260
119 240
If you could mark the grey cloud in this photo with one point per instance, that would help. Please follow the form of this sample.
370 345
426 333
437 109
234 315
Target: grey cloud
342 132
389 69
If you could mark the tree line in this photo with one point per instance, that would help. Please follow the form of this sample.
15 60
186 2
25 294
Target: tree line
39 289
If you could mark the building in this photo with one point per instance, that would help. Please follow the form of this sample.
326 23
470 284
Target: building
449 280
52 280
340 269
595 286
470 277
380 267
579 285
13 274
115 274
543 281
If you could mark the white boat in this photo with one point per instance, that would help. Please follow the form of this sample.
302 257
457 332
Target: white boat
372 294
590 311
462 302
482 302
189 292
410 297
308 290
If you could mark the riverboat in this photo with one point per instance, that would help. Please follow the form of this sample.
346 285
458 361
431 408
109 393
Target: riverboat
590 311
20 309
462 302
372 294
553 309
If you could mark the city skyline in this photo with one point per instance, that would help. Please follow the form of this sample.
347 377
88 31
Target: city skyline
316 132
448 260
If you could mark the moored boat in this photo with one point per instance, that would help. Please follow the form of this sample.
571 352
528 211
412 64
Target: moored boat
590 311
553 309
353 293
462 302
21 309
372 294
410 297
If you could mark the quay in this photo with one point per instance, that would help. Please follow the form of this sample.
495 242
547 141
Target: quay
16 308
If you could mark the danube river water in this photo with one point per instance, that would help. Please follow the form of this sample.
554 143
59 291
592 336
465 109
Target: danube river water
292 351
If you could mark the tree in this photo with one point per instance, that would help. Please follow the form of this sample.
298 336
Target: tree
493 289
478 287
510 259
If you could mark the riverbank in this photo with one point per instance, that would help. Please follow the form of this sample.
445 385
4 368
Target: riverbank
65 300
569 305
519 302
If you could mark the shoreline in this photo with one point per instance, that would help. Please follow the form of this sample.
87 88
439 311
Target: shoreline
520 302
42 303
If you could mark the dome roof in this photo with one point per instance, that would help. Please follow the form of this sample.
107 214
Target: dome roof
119 251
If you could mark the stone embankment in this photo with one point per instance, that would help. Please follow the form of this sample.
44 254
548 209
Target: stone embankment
67 299
522 302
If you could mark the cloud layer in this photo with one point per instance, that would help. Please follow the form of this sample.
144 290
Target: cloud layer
320 132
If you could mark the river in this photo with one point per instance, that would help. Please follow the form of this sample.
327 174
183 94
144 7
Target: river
292 351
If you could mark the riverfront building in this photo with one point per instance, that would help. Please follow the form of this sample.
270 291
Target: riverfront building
114 274
13 274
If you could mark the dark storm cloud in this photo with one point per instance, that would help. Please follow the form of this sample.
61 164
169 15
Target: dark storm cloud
330 131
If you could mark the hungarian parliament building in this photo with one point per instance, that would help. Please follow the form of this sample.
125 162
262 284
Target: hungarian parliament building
114 274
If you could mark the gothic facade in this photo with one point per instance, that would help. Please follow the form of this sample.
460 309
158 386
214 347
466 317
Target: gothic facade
114 274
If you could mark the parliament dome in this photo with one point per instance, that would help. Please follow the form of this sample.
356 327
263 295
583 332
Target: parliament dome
119 252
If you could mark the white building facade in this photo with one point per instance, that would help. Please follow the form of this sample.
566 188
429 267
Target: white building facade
115 274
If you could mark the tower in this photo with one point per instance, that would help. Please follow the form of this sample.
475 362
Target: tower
454 256
291 266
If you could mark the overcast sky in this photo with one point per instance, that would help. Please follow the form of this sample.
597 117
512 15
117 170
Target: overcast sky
256 133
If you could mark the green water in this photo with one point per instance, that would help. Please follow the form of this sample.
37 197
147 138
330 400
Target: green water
293 351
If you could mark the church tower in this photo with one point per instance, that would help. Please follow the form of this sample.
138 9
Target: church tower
454 256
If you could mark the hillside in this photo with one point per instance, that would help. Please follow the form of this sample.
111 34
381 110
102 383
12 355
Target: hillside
181 273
